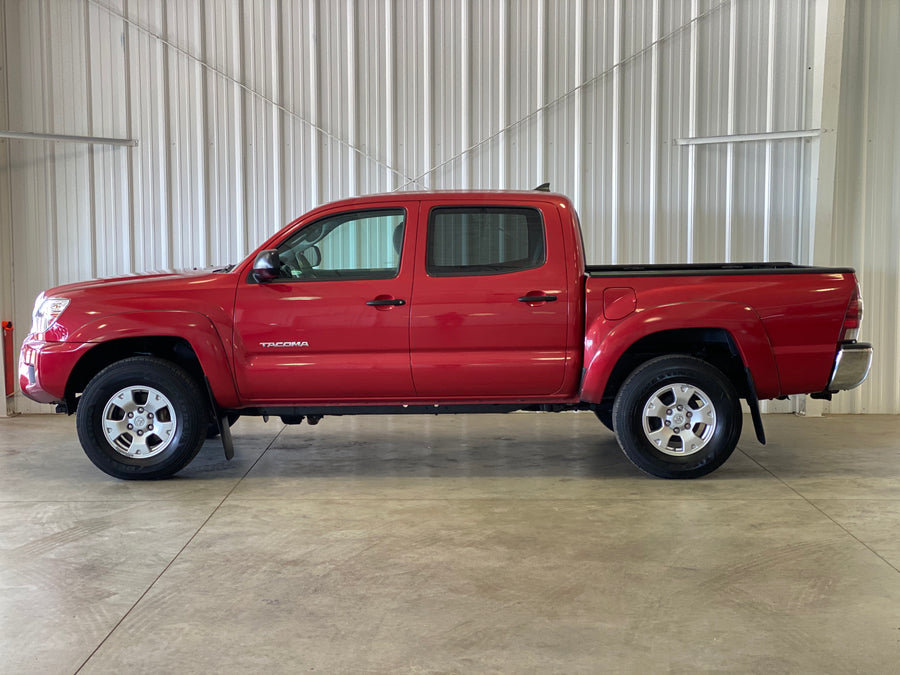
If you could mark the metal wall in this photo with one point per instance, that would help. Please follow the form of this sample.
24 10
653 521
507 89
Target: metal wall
249 112
867 194
6 253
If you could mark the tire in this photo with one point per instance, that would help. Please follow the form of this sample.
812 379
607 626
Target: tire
142 418
656 415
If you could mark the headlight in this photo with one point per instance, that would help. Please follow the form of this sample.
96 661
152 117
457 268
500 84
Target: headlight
46 312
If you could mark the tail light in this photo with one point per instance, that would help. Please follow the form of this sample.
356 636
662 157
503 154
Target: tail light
853 317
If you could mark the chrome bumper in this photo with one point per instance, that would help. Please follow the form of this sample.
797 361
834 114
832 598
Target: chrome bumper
851 367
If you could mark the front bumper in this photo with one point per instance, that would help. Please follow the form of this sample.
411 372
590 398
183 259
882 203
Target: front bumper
851 366
45 367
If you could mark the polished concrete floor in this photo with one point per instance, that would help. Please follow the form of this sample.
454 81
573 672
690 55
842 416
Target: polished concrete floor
522 543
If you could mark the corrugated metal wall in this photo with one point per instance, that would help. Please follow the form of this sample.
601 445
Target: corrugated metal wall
867 194
6 254
249 112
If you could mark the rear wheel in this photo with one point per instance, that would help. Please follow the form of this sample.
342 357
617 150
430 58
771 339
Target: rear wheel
677 417
142 418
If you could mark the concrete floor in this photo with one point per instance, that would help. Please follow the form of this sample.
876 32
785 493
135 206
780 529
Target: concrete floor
495 544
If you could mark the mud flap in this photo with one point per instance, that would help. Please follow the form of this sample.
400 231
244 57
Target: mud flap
225 434
221 419
753 404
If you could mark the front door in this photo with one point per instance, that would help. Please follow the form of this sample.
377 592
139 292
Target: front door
335 325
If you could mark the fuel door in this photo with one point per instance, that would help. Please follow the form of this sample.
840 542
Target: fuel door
618 303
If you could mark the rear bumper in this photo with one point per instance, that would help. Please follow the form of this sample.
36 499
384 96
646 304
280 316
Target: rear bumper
851 366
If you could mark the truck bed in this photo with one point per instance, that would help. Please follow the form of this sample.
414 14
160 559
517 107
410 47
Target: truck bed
709 269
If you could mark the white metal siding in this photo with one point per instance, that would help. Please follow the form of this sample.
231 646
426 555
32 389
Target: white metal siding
867 195
248 113
6 253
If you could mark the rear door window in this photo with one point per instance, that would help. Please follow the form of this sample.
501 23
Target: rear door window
484 240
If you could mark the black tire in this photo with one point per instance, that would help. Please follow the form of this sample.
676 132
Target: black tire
677 417
142 406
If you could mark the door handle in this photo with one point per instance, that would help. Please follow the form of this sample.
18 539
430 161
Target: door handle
538 298
382 303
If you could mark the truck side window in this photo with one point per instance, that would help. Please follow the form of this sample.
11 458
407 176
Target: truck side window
483 240
354 245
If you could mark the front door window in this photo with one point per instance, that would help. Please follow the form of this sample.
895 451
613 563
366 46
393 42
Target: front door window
351 246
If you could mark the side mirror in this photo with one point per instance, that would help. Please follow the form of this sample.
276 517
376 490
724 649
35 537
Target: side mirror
266 266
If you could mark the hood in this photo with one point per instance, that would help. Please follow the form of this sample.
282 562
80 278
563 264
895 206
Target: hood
208 292
114 283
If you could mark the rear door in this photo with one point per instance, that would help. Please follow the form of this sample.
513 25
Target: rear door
335 325
490 304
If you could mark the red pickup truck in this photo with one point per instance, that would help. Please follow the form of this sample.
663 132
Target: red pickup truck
440 302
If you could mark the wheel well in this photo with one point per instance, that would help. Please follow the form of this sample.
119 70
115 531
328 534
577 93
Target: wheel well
713 345
174 349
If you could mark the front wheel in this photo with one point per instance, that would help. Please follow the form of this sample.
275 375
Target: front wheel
677 417
142 418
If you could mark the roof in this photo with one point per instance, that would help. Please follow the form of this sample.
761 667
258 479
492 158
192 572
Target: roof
453 196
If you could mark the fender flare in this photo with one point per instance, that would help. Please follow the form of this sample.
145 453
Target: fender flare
196 329
607 341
